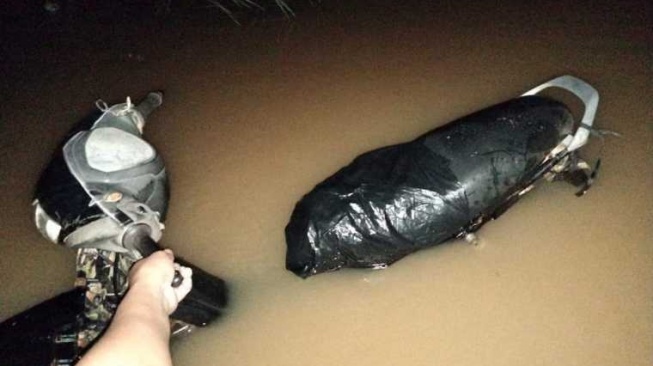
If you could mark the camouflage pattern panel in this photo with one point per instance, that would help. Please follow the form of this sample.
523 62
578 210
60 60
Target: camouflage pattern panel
104 275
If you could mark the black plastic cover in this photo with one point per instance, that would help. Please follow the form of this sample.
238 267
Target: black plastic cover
45 334
396 200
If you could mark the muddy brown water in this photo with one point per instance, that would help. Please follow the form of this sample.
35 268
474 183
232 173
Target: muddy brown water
256 115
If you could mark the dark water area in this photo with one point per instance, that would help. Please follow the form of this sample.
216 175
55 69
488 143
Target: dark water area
255 115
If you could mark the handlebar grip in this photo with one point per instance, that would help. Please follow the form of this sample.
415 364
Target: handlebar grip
150 103
138 238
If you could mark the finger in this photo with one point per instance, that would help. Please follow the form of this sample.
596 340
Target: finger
186 272
170 253
158 265
186 285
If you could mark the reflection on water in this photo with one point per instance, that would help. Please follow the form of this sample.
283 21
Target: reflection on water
256 115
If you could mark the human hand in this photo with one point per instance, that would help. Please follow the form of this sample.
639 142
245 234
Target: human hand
152 277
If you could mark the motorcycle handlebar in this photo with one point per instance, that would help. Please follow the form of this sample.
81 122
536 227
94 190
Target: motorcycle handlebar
150 103
137 237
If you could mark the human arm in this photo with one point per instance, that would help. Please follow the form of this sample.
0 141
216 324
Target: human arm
139 333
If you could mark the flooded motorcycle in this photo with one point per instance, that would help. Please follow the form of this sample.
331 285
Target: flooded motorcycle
104 194
446 184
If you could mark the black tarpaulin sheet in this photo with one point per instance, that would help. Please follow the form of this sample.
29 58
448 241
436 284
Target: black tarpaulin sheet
396 200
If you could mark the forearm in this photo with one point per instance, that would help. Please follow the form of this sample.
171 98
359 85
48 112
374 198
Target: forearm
138 335
140 330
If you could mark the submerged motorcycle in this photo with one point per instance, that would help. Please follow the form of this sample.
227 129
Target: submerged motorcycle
445 184
104 194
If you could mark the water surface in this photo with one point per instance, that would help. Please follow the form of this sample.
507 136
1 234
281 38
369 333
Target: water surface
256 115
